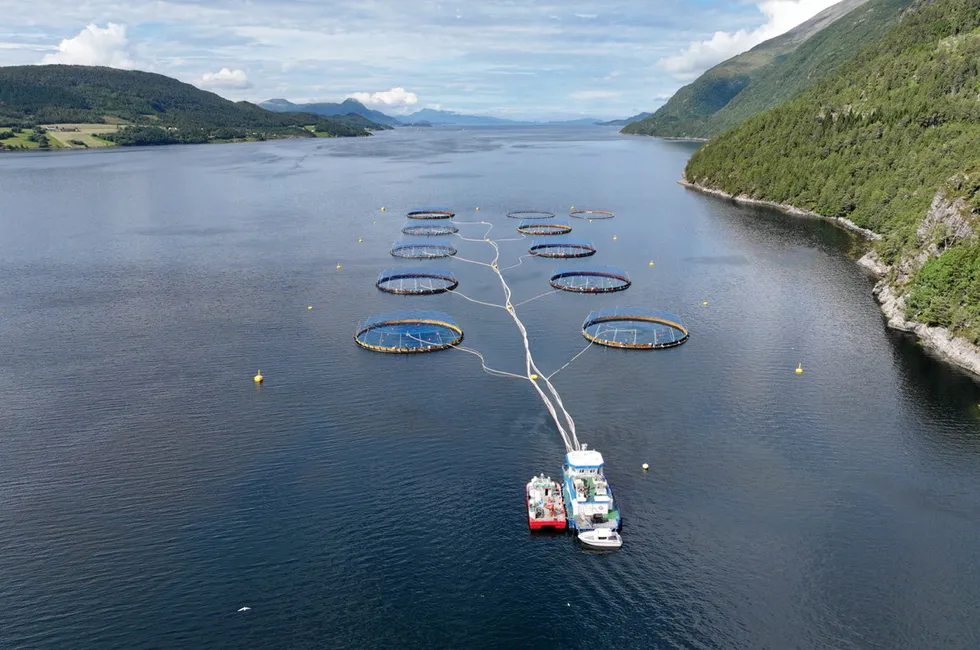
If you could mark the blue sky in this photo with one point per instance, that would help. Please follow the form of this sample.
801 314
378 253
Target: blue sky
511 58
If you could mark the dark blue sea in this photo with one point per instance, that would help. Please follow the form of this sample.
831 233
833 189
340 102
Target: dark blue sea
148 490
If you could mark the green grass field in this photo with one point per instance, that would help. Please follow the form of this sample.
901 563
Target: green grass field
59 134
20 140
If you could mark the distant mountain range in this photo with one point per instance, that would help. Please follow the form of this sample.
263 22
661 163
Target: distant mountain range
771 72
426 116
328 109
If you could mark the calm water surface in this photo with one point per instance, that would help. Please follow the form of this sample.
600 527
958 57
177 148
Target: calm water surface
148 490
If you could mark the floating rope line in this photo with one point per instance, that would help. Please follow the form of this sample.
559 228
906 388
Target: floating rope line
551 398
546 293
479 302
488 369
586 349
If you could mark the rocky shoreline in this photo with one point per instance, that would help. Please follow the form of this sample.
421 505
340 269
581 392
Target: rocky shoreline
939 340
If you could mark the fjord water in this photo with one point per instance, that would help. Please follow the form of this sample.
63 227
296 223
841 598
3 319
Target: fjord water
148 490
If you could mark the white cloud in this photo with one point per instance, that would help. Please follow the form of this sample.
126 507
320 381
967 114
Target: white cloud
588 95
225 78
394 98
94 45
530 55
781 16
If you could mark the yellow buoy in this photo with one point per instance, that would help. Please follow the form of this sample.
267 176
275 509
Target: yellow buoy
590 220
651 263
477 208
382 208
705 303
339 267
494 266
799 369
309 307
533 377
645 467
615 237
510 306
360 241
571 207
258 378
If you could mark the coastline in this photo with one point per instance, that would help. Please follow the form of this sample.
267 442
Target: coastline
112 145
846 224
669 138
938 340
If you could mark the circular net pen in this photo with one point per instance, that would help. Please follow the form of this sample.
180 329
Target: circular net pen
544 228
565 248
431 213
408 282
422 250
430 228
408 332
635 328
591 279
591 214
531 215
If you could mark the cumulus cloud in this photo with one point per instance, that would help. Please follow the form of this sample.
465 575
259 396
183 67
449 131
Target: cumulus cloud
781 16
394 98
225 78
94 45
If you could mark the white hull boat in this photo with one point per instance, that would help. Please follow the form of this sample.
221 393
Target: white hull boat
600 538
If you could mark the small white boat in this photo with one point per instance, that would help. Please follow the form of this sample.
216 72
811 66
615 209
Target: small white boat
601 538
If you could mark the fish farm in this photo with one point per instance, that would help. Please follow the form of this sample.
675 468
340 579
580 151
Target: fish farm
430 228
635 328
530 214
421 250
544 228
431 213
408 282
594 279
583 499
591 214
564 249
409 332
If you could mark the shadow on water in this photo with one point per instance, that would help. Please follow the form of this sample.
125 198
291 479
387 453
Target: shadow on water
771 224
942 389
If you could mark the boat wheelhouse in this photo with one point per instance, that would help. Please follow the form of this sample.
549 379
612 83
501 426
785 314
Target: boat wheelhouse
589 499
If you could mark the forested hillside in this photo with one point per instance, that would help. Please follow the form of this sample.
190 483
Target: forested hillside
167 110
772 72
891 142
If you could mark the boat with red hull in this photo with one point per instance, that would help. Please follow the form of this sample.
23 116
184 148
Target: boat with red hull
545 504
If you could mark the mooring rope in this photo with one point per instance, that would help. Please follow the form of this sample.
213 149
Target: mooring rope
546 293
486 368
479 302
569 362
553 402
